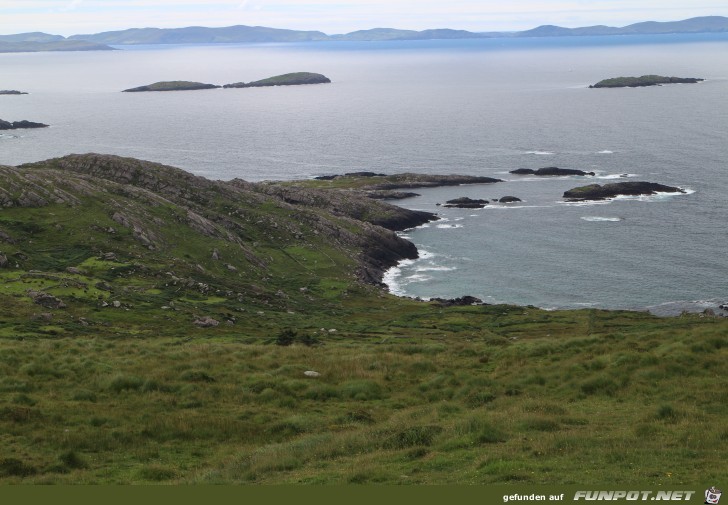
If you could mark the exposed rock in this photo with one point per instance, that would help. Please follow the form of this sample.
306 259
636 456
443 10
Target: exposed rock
634 188
46 300
12 92
206 322
109 256
390 195
75 271
462 301
17 125
6 238
3 261
311 373
548 171
216 255
509 199
466 203
103 286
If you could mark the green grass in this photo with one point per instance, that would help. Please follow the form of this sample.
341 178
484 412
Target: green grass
103 408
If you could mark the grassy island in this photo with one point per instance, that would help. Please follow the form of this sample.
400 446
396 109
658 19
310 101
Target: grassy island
645 80
173 86
292 79
159 327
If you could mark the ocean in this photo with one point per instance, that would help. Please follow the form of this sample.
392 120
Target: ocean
477 107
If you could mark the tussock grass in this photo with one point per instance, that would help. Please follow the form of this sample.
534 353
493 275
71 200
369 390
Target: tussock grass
638 403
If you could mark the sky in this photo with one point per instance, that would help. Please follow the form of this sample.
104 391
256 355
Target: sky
69 17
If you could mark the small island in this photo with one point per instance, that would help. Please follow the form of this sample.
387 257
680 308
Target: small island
293 79
636 188
549 171
172 86
465 203
12 92
642 81
17 125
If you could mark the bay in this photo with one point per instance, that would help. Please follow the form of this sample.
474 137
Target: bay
479 107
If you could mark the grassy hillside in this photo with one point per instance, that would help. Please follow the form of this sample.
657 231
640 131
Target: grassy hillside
158 327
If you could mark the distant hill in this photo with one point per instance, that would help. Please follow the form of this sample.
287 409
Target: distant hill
707 24
201 35
261 34
58 45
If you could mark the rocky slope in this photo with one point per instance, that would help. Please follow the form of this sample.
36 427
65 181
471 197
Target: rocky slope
115 233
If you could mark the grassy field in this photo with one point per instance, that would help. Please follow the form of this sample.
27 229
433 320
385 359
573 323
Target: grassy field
463 395
159 330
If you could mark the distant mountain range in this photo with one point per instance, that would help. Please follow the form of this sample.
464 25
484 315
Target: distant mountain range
258 34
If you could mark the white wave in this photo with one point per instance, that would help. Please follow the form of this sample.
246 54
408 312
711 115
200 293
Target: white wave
418 278
434 268
586 203
616 176
424 255
606 151
458 219
597 219
540 153
449 226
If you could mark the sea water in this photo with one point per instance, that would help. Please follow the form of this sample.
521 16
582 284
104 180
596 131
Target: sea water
478 107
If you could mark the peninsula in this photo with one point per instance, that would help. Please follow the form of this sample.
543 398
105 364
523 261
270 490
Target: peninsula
645 80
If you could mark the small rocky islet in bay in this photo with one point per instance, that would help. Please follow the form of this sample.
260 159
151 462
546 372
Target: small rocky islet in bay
632 188
292 79
549 171
12 92
644 80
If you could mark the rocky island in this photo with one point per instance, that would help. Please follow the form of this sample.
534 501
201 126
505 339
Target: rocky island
172 86
465 203
292 79
17 125
12 92
636 188
645 80
549 171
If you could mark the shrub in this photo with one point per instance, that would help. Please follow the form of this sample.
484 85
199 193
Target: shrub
286 337
412 437
11 467
70 459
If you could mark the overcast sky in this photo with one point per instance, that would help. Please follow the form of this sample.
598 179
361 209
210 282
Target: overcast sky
68 17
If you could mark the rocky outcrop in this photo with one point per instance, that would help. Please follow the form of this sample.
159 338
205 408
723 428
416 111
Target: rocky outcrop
549 171
12 92
459 302
172 86
292 79
466 203
645 80
17 125
509 199
635 188
390 195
